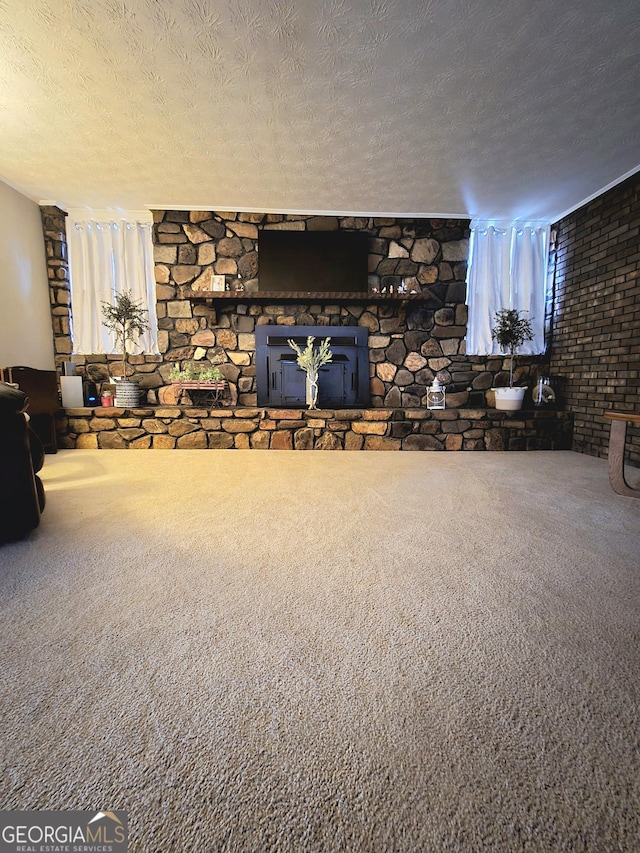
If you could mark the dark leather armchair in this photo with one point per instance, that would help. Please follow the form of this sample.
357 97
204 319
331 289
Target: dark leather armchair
21 457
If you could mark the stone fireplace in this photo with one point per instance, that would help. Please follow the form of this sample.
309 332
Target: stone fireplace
342 382
387 346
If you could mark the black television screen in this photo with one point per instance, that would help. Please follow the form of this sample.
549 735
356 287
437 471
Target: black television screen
313 261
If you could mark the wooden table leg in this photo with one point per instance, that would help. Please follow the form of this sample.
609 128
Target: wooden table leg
617 439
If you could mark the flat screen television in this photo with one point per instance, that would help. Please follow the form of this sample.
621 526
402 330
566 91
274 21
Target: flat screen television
313 261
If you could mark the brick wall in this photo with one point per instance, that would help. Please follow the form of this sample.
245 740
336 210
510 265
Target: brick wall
596 328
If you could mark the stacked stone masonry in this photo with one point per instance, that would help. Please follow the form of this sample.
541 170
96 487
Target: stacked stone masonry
410 343
169 427
54 230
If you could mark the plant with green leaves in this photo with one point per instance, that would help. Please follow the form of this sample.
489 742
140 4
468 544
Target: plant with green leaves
189 373
182 374
511 330
211 374
127 319
311 358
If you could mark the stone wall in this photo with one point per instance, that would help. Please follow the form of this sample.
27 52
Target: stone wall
55 239
193 246
596 331
410 342
168 427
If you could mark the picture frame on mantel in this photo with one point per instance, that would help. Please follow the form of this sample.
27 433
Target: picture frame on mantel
208 282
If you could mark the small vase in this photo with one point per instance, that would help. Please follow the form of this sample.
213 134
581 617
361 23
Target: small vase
312 390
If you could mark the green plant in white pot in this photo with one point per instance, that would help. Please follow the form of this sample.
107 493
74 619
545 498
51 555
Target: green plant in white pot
510 331
127 320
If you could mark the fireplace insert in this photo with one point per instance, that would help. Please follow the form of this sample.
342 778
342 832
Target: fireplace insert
342 382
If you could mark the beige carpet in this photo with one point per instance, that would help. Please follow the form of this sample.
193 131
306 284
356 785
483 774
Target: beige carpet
281 651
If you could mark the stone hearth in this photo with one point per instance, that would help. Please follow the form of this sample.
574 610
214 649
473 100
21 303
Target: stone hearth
321 429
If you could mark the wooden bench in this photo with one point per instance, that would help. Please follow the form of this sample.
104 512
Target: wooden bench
617 438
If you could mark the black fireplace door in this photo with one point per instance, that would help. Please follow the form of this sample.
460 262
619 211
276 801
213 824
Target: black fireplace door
337 382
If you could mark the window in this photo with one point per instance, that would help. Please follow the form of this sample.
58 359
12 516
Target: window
507 269
109 253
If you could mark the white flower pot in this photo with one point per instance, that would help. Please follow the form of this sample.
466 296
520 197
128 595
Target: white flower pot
509 399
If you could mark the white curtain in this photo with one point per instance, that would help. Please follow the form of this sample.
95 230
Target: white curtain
109 253
507 269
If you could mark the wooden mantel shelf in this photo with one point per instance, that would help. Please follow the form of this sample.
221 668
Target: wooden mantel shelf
301 296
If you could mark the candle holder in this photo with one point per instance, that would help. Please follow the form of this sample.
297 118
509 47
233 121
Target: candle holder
436 395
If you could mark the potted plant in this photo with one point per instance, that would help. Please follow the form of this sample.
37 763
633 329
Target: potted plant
310 359
511 330
127 320
204 384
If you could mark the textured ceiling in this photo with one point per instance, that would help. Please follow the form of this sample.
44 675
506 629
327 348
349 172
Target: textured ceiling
511 108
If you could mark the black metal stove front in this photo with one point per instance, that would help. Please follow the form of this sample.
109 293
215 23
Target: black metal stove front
342 382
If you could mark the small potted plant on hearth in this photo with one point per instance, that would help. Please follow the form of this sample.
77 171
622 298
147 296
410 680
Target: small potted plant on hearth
127 320
511 330
201 385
